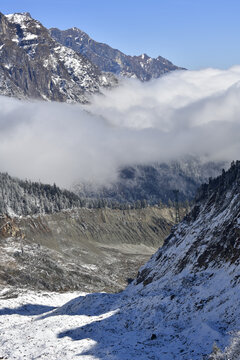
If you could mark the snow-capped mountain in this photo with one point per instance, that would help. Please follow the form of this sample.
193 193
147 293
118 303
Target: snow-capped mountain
33 65
106 58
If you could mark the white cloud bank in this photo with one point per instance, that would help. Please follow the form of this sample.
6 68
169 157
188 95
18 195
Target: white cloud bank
186 112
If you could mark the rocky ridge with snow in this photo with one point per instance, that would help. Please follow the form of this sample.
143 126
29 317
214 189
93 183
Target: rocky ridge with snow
188 293
34 65
112 60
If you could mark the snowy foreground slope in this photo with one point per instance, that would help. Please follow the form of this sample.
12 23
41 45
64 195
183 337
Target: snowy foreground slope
183 304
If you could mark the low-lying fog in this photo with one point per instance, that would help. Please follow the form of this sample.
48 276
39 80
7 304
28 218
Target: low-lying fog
185 112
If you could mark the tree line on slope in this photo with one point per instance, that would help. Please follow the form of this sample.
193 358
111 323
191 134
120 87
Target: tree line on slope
220 184
24 197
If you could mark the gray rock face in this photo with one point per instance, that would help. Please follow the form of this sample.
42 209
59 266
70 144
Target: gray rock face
33 65
106 58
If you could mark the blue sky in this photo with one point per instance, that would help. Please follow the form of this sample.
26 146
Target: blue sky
191 33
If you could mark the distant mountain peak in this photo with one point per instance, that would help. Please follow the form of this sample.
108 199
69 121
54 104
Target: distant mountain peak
112 60
144 56
19 15
74 28
66 66
24 14
20 18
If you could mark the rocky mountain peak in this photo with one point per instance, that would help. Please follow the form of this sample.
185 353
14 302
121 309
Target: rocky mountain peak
33 65
144 56
29 32
106 58
20 18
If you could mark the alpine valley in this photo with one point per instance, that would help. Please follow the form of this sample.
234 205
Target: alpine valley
183 304
143 266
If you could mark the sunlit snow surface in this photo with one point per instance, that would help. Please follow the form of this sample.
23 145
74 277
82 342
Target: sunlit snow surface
34 325
66 326
50 326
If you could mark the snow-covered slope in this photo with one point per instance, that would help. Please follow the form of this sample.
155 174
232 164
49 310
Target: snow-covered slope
33 65
188 294
183 304
185 300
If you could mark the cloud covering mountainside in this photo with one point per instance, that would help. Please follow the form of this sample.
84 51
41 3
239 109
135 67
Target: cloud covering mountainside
183 113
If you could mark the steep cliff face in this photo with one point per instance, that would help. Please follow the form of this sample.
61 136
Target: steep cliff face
86 249
106 58
33 65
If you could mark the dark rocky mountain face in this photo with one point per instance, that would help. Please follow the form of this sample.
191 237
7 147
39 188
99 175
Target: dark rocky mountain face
106 58
210 232
33 65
